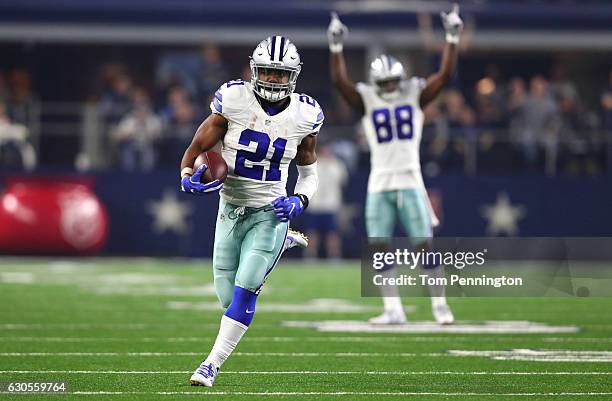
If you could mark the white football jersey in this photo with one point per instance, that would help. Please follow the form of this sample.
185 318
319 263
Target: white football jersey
258 147
393 130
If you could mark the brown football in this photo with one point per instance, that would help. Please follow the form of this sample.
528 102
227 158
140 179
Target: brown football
217 168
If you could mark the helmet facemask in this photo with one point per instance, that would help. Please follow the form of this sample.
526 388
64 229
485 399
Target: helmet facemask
273 91
386 73
388 89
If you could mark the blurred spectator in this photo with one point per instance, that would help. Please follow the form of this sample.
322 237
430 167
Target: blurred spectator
576 123
180 121
321 221
116 101
489 97
461 121
560 85
517 94
539 117
4 89
136 136
459 115
179 114
108 73
212 70
22 100
435 139
15 150
606 117
199 72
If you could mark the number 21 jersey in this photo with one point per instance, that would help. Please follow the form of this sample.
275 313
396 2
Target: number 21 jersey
393 130
258 147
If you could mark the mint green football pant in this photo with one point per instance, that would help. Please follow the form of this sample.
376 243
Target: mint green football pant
248 245
409 206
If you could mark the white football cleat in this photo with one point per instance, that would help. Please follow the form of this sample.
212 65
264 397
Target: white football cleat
442 314
389 317
295 238
204 375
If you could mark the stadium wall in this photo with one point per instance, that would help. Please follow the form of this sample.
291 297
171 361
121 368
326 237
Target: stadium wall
148 216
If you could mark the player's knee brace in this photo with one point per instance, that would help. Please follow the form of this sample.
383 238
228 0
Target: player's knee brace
242 307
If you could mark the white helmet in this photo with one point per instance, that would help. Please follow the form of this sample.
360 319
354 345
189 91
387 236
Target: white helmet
383 69
276 53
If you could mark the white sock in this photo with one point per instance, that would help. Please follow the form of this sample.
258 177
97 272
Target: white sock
438 301
230 333
390 294
436 292
393 304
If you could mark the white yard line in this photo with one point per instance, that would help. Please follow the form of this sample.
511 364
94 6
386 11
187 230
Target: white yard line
460 327
310 372
337 393
516 354
538 355
316 339
121 326
288 354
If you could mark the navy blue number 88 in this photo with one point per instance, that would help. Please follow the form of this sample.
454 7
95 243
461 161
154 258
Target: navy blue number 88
403 123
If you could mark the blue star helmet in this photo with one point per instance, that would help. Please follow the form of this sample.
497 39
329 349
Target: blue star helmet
275 56
386 73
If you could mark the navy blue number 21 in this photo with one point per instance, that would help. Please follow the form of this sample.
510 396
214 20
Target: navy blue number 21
382 123
262 140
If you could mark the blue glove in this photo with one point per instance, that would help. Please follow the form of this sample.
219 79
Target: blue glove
193 185
287 208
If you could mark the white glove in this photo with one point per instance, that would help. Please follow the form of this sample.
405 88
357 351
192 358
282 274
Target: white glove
453 25
336 31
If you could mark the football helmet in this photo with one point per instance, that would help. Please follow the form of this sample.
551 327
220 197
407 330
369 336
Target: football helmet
275 55
384 69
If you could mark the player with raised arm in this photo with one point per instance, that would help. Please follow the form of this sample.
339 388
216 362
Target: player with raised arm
391 108
262 126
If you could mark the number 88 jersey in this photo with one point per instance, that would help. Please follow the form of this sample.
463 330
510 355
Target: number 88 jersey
393 130
258 147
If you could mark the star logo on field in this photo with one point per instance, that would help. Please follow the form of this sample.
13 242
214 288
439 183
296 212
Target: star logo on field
170 214
502 217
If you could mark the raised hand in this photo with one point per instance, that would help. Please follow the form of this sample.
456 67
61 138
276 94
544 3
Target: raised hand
453 24
336 32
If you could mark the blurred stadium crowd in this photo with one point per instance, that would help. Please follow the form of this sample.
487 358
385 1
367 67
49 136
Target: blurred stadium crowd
537 121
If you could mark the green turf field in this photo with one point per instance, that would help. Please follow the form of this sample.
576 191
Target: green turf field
136 329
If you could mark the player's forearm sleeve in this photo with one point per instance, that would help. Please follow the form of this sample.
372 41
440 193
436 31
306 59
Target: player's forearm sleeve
308 180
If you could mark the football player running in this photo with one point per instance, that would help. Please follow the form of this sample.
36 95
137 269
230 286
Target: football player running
391 107
262 125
